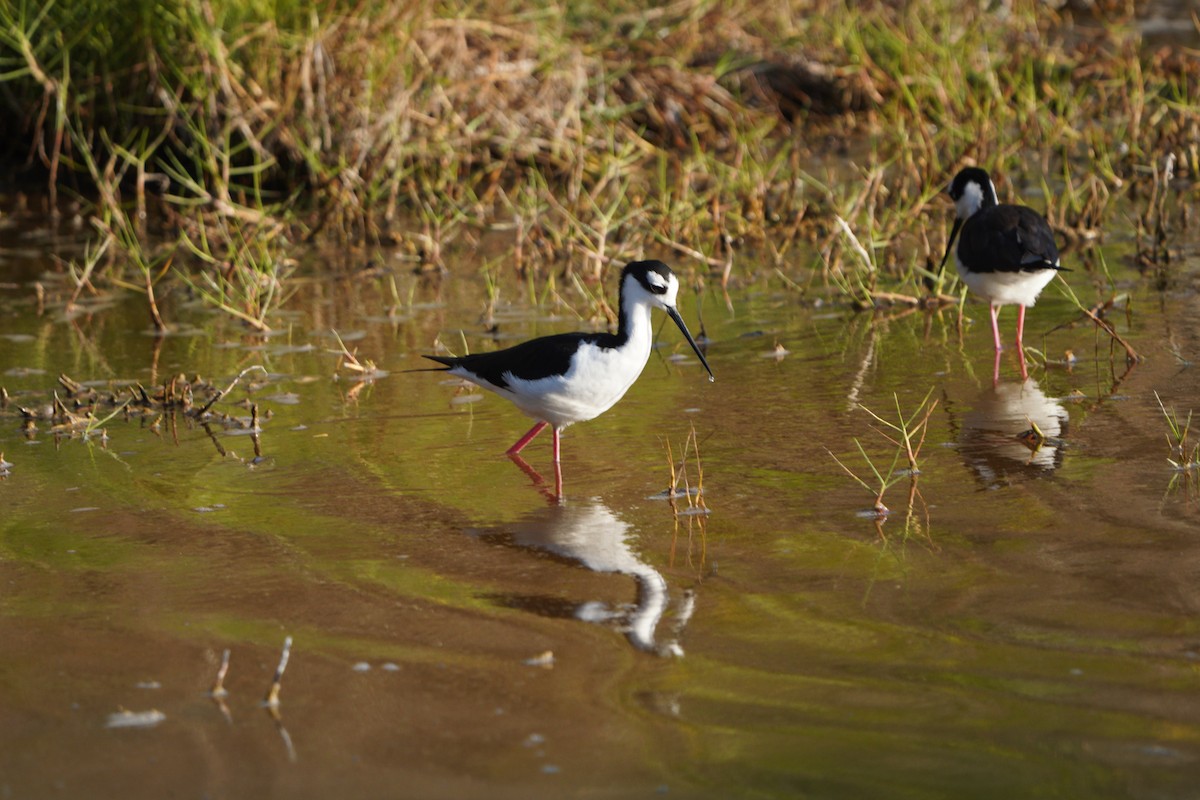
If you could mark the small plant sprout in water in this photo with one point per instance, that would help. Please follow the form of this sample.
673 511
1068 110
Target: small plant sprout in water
218 688
911 437
1032 437
907 435
218 692
364 369
271 702
272 698
1186 456
679 475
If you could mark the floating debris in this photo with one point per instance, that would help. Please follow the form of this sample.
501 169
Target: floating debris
778 353
135 719
361 666
692 511
544 660
81 409
285 398
675 493
878 512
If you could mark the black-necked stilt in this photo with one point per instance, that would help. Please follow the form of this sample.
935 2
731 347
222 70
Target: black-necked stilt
1006 254
572 377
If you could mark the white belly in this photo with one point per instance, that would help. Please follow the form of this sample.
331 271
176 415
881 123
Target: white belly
597 379
1005 288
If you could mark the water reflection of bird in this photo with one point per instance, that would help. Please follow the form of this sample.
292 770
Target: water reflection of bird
1014 431
591 534
572 377
1006 254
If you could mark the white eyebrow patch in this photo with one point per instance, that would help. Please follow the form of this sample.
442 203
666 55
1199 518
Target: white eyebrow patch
656 280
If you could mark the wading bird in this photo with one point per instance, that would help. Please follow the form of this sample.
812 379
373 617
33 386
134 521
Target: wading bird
1006 253
572 377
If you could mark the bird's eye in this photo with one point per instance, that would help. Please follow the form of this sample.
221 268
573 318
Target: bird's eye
656 283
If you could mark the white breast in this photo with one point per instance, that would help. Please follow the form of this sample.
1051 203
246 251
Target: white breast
597 379
1005 288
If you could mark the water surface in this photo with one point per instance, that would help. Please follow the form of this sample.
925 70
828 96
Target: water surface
1024 622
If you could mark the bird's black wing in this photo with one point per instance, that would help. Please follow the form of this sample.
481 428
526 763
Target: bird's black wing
1008 238
537 358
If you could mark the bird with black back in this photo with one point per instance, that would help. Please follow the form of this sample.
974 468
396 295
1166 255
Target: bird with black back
573 377
1006 253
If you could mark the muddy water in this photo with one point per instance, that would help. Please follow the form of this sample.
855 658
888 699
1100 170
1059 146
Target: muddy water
1024 622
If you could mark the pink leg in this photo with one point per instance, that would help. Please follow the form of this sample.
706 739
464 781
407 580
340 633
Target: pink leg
996 370
528 437
995 311
557 468
1020 326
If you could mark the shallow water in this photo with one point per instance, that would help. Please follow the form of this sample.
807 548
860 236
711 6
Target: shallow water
1024 622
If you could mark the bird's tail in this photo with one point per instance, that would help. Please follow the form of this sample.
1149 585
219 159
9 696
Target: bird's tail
1035 266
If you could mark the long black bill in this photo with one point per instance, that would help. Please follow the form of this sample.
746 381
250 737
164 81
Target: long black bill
958 223
674 314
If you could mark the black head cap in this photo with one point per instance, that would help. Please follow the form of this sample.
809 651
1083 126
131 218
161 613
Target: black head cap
642 270
967 176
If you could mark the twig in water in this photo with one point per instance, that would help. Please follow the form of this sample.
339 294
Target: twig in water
229 388
1094 315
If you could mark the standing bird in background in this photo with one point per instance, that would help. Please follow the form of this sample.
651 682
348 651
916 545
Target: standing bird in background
1006 253
572 377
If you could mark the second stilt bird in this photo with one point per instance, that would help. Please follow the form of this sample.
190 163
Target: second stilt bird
572 377
1006 253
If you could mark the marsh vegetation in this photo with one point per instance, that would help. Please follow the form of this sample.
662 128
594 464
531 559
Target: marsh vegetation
202 139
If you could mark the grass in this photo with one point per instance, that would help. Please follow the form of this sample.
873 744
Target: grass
212 136
1185 456
680 476
906 434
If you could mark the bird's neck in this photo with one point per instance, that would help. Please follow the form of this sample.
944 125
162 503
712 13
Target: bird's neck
635 324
